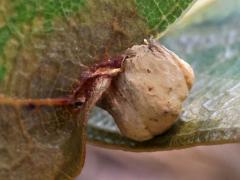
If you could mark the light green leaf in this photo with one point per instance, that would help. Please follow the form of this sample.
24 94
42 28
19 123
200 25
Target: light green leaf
161 13
211 114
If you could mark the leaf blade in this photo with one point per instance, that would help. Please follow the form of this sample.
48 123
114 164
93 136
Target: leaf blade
160 14
29 143
44 46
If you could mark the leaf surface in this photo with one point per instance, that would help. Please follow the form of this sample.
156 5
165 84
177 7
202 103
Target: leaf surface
44 47
161 13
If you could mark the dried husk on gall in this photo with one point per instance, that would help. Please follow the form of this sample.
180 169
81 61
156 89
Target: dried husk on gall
146 99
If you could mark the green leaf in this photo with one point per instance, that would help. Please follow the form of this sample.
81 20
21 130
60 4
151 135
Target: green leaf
211 114
44 46
161 13
103 23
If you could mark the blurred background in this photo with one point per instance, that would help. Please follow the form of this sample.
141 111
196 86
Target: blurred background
220 162
199 163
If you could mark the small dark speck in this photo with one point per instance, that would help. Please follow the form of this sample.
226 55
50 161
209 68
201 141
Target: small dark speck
150 89
78 104
170 90
31 107
165 112
148 70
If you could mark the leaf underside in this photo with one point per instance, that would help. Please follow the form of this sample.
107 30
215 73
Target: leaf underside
44 46
211 114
